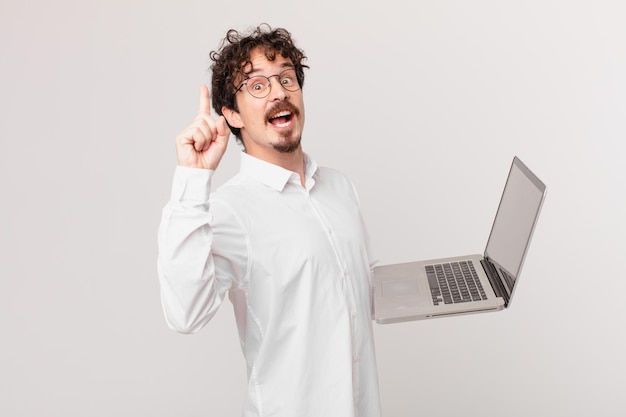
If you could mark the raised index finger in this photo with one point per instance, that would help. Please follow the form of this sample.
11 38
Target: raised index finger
205 100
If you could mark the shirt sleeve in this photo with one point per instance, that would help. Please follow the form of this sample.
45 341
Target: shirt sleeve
371 256
197 264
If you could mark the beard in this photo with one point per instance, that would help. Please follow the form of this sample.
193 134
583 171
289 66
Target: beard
288 145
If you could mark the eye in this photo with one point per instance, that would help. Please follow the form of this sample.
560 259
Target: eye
287 80
257 86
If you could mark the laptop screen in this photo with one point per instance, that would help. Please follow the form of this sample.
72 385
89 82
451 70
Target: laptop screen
515 220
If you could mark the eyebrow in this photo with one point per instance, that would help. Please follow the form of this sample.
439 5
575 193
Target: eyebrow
285 65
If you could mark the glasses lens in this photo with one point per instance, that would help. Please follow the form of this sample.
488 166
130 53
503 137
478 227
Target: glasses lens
288 80
258 86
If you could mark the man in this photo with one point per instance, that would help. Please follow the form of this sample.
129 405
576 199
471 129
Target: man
284 238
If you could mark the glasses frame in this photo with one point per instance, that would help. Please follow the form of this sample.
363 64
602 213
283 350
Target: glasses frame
269 83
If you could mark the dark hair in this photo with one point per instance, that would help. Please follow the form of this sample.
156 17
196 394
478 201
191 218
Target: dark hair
233 56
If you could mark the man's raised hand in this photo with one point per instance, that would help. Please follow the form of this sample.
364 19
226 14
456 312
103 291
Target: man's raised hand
203 143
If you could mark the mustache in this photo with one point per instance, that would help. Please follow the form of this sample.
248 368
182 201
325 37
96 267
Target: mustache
282 106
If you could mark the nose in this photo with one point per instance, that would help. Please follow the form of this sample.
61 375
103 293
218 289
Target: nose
277 92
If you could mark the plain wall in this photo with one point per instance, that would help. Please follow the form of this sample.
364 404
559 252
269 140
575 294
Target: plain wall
422 103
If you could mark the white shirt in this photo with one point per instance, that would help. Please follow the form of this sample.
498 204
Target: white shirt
296 264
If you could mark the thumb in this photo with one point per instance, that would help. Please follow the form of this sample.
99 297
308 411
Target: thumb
223 131
218 146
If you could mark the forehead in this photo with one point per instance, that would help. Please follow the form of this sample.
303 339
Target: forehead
260 63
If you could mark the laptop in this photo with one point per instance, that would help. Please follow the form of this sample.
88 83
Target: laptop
466 284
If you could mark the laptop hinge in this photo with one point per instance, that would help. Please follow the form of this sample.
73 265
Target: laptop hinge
495 280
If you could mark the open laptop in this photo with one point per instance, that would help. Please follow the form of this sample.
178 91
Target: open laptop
466 284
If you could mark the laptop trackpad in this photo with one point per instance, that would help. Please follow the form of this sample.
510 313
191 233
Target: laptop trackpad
395 288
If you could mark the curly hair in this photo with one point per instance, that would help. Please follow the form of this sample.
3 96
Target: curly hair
232 59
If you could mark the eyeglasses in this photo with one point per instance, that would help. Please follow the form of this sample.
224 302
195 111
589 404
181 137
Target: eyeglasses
259 86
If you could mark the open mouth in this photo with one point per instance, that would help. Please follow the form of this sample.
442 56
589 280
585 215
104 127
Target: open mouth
282 114
281 119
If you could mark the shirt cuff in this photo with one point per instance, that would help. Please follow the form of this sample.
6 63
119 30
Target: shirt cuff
191 184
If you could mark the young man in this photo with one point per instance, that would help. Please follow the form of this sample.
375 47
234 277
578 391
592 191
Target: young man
284 238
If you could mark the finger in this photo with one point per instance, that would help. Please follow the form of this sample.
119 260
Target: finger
218 135
205 100
199 127
195 136
207 126
200 140
222 130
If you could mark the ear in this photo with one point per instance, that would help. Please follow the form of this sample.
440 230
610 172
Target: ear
232 117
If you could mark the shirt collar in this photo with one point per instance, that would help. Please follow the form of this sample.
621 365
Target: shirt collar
275 176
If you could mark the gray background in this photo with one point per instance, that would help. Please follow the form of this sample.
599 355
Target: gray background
423 104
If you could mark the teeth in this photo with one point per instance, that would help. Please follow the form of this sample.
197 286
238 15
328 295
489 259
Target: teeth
281 114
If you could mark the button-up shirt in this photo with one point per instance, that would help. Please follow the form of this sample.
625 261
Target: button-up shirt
296 264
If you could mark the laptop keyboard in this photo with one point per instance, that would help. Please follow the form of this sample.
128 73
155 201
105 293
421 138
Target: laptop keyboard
454 282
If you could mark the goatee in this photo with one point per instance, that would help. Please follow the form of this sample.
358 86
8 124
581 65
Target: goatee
288 146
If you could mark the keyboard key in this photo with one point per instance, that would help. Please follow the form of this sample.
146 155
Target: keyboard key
454 282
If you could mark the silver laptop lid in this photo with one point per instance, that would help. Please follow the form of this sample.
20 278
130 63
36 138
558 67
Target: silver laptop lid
514 223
